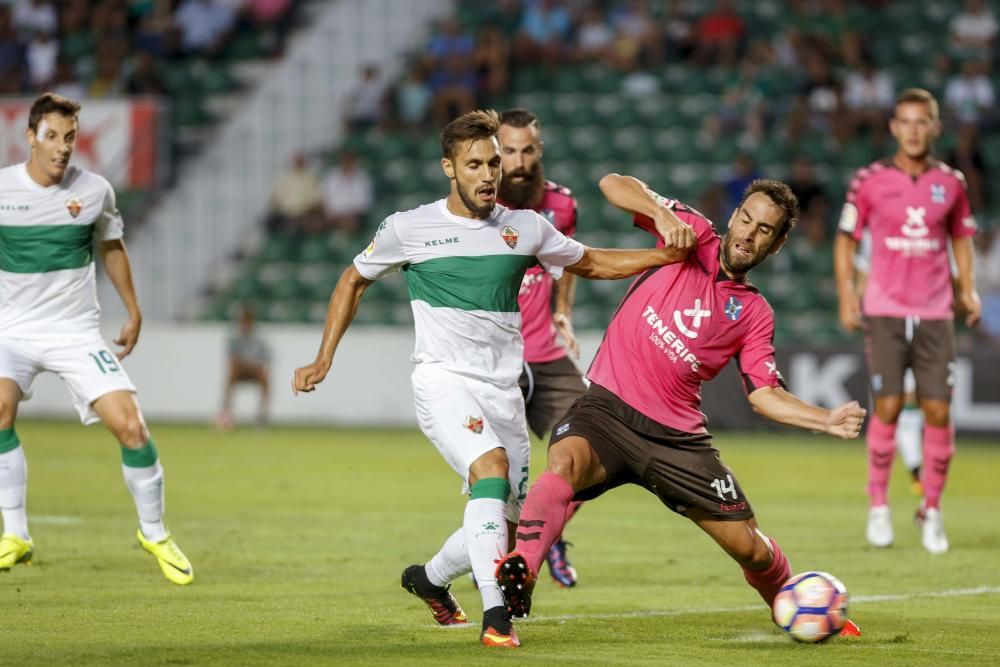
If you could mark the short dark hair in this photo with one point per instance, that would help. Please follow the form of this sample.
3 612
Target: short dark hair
520 118
921 96
782 197
475 125
51 103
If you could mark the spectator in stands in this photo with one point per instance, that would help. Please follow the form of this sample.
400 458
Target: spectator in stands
107 80
34 16
718 35
145 77
347 194
42 54
366 103
967 158
818 105
743 172
637 34
453 73
492 59
413 98
869 97
678 32
594 37
11 54
544 31
248 362
76 35
969 95
66 82
974 31
204 26
296 199
814 206
155 30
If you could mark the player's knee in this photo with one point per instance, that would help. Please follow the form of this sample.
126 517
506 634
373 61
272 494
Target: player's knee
493 463
569 461
887 408
936 413
130 431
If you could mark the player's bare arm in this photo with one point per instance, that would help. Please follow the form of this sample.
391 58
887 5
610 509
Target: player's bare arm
784 407
565 294
614 264
114 256
634 196
968 298
339 315
844 249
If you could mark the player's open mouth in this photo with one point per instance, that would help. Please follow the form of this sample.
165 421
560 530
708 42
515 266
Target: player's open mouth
488 192
742 249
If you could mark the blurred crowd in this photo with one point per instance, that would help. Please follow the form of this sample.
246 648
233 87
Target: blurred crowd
86 48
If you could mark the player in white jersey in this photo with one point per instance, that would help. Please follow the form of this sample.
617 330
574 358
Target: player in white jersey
52 218
464 258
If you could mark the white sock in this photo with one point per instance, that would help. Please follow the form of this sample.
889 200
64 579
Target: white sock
909 437
13 492
485 531
451 562
146 487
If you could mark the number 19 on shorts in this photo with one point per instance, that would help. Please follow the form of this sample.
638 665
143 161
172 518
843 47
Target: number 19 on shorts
105 361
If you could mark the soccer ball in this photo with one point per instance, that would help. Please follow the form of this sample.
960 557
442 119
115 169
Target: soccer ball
811 607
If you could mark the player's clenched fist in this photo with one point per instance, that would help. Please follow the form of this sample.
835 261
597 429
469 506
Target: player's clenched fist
846 421
307 377
676 234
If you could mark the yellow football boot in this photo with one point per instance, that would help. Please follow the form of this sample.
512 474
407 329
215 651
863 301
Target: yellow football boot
14 550
175 565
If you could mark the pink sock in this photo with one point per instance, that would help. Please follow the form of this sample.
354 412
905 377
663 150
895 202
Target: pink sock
881 450
542 518
939 447
572 508
768 582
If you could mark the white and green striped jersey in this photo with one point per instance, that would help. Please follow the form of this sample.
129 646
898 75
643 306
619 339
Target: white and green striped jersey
463 277
47 234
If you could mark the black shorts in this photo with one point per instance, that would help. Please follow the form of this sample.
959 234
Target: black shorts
549 389
684 470
893 344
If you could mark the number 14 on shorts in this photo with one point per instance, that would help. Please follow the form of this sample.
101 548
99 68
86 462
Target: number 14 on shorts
724 486
105 361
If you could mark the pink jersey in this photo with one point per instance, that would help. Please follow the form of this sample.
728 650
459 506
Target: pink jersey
535 297
678 326
910 221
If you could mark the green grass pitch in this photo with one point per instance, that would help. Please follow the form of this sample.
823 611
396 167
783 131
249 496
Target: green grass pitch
298 538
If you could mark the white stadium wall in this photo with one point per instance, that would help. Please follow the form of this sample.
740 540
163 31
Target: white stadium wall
179 372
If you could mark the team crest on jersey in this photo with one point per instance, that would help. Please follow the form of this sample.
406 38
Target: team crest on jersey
74 206
509 236
369 250
937 194
733 309
474 424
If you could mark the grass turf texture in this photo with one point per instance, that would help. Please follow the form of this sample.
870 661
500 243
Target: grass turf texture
298 538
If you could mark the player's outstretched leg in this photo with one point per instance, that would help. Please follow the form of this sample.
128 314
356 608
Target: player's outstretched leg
15 543
881 439
542 520
443 605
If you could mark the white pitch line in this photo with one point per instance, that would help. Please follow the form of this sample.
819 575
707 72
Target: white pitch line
658 613
55 520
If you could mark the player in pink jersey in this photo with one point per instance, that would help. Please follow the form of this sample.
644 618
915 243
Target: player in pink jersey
550 381
640 421
913 206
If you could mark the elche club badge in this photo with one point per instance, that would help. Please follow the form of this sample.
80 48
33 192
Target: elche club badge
474 424
74 206
509 236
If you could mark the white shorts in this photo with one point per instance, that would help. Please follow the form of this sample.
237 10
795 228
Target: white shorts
466 418
89 369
